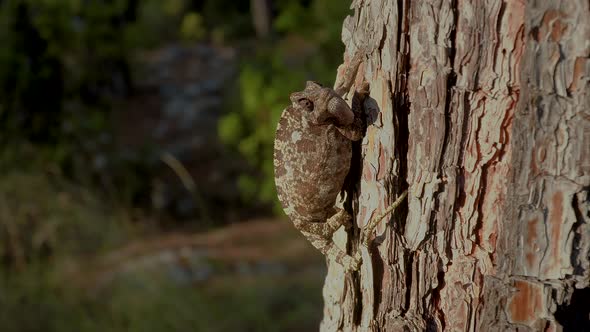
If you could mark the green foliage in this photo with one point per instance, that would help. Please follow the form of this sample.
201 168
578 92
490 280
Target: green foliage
156 21
227 19
63 65
309 48
64 57
192 28
54 52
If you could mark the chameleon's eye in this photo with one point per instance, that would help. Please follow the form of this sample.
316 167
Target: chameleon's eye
306 104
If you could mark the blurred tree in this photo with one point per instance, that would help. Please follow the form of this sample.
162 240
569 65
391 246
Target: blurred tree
261 17
31 77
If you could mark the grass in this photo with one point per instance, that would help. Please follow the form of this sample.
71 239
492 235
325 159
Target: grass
34 301
48 224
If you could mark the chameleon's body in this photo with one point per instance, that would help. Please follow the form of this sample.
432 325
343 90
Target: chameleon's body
312 157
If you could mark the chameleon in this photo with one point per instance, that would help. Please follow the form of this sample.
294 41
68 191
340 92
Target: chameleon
312 157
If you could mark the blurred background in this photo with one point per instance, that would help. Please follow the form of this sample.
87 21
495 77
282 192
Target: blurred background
136 182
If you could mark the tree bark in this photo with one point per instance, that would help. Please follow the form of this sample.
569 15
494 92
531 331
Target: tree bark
481 109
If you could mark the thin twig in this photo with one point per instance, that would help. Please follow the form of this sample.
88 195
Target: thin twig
375 221
189 183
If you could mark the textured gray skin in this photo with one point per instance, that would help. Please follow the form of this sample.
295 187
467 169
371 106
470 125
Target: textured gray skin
312 156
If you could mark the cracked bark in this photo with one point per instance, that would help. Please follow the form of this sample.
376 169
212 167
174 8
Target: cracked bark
493 99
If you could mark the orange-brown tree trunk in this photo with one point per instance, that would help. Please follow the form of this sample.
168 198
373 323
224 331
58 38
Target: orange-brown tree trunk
482 110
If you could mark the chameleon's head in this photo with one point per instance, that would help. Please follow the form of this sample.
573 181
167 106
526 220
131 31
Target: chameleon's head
322 105
304 100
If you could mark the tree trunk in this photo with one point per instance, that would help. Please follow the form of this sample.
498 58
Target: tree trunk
481 109
261 17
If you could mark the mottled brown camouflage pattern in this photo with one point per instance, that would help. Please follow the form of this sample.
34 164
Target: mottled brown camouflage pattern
312 157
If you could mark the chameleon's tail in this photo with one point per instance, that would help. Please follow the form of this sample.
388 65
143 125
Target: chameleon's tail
368 230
